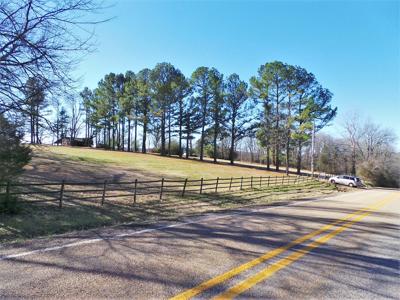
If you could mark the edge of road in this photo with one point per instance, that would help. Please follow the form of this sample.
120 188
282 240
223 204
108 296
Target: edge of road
81 237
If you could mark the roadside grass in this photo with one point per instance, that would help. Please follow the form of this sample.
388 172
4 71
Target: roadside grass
45 219
152 165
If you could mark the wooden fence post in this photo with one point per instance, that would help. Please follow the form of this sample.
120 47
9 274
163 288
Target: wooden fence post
104 192
184 187
161 188
260 181
201 185
283 178
61 194
241 183
268 180
251 182
230 184
216 185
134 195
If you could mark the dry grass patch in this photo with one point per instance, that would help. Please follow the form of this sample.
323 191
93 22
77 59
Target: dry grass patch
43 219
74 163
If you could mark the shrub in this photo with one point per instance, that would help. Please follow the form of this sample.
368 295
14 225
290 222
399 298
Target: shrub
174 148
13 155
8 204
384 174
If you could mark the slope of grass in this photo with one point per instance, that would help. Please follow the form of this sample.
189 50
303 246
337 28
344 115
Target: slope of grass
153 165
44 219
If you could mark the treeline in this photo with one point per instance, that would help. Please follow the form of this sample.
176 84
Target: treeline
280 107
365 149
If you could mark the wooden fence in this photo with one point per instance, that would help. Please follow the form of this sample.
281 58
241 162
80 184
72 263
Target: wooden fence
102 191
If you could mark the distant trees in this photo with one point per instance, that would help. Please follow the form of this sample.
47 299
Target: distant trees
33 105
365 149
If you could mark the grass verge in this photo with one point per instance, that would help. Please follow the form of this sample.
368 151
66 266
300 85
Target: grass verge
44 219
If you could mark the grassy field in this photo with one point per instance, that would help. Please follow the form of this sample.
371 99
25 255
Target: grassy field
89 165
73 163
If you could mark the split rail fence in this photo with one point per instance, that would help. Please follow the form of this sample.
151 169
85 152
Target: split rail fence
102 191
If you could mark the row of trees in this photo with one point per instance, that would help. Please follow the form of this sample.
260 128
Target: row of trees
280 107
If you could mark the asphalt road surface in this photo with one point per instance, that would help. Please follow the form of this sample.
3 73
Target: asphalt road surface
342 247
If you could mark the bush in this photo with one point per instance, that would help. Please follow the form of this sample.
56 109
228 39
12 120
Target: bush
383 174
13 155
9 204
174 148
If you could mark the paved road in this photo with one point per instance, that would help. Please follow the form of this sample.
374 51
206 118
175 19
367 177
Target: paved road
342 247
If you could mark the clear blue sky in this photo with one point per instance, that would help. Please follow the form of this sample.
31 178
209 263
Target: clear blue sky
351 47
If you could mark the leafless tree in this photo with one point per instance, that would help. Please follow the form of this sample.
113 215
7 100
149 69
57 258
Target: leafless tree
42 39
76 112
352 134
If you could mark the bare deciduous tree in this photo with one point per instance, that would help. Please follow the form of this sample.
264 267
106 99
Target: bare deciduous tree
42 39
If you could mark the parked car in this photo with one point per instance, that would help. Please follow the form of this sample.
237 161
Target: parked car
346 180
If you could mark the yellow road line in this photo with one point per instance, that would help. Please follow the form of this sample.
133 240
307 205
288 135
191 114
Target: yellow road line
268 255
270 270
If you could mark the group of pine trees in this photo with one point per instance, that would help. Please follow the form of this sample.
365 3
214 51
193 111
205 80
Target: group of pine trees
280 106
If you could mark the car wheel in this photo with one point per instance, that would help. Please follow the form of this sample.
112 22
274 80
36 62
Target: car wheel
351 185
333 181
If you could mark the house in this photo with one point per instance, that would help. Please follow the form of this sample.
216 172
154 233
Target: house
80 142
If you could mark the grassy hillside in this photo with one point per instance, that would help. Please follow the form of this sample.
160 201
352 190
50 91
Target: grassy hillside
79 164
73 163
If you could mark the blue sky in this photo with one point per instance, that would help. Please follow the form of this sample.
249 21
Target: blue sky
352 47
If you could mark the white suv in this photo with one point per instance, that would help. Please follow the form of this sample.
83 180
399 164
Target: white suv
346 180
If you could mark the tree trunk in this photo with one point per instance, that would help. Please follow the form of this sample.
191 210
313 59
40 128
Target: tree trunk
287 157
109 136
135 139
215 145
129 135
32 127
299 146
353 161
277 148
231 151
203 124
169 133
180 127
123 134
163 133
144 134
37 125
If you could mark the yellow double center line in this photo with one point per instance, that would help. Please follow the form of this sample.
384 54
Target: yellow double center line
270 270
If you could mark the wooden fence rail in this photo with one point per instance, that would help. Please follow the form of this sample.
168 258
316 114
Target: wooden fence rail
101 191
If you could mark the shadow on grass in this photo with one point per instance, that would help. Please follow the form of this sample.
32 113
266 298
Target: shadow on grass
42 219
